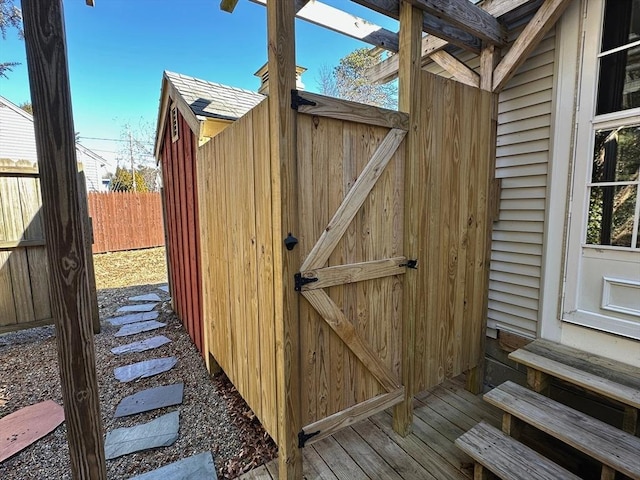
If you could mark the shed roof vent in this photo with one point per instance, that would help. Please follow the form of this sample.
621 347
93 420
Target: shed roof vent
263 75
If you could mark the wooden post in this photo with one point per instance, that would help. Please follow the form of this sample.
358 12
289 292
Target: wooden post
88 242
282 68
409 99
488 60
55 142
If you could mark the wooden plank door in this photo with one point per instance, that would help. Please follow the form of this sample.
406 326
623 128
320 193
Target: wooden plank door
351 173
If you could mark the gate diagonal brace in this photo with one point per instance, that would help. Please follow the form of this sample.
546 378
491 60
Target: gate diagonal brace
304 437
301 281
297 100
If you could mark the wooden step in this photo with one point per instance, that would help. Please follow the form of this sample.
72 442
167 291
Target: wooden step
608 378
506 457
612 447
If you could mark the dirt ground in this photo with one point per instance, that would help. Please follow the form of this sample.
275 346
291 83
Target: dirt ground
213 416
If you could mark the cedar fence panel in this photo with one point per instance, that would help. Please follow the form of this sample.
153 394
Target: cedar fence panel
125 220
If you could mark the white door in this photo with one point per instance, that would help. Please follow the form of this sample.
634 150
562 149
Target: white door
602 283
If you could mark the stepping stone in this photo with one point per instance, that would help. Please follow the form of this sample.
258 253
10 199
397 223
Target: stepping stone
148 297
150 399
23 427
164 288
138 327
196 467
141 345
133 318
142 307
161 432
145 369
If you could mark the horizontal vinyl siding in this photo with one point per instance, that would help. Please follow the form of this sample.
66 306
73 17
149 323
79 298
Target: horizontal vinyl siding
522 157
17 137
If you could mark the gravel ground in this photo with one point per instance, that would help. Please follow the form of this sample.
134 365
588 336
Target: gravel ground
212 416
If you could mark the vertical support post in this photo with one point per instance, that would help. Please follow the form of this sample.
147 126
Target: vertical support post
538 381
55 142
489 58
282 78
409 100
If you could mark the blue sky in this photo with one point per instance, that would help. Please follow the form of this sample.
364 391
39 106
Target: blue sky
119 48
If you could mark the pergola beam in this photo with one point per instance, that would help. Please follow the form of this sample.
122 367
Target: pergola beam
342 22
466 16
536 29
387 70
455 67
230 5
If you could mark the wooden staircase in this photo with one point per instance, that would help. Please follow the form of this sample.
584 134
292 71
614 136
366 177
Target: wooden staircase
616 450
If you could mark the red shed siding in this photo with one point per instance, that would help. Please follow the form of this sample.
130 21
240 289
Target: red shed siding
183 232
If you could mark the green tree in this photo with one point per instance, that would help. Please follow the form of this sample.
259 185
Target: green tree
27 107
349 80
123 181
10 17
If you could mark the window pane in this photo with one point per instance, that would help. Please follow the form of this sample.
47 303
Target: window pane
616 156
621 23
619 85
611 212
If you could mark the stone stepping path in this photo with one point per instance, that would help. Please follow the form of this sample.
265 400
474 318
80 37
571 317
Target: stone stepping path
142 307
27 425
196 467
147 368
150 399
139 327
147 297
164 288
141 345
161 432
133 318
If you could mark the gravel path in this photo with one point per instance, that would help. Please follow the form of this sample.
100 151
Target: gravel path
212 416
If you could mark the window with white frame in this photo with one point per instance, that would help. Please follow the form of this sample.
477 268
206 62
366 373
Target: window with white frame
613 201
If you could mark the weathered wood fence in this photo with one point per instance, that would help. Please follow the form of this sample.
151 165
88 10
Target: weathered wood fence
125 220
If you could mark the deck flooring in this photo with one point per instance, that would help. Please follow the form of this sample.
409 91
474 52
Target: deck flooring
372 450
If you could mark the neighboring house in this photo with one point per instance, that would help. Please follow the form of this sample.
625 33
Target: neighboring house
191 112
565 262
18 142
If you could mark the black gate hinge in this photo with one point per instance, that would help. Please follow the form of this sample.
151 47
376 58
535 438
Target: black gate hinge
301 281
297 100
303 437
410 264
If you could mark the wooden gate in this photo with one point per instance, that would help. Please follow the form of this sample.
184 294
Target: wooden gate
351 172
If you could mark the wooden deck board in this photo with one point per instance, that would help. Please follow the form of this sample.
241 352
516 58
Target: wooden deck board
371 449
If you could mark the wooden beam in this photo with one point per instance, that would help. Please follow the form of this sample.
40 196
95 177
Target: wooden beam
228 5
489 58
466 16
410 101
55 142
354 272
91 3
342 22
430 24
455 67
387 70
540 24
284 184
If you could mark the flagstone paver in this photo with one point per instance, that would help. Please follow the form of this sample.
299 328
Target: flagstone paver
161 432
164 288
133 318
196 467
147 368
141 307
139 327
150 399
141 345
147 297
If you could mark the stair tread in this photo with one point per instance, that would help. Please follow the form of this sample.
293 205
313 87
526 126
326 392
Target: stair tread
508 458
604 376
597 439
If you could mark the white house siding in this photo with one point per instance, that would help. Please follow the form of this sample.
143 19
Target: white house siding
522 156
14 129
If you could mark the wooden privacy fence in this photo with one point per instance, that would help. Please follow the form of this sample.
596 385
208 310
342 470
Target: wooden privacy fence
393 251
125 220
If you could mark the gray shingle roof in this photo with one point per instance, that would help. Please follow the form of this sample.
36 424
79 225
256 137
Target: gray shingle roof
213 100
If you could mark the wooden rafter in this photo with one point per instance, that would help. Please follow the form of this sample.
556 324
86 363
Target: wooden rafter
387 70
90 3
455 67
528 40
230 5
342 22
466 16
